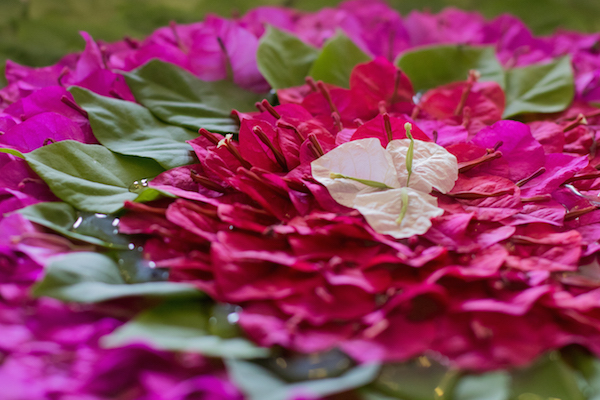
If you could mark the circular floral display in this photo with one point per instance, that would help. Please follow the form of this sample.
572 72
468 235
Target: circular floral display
344 204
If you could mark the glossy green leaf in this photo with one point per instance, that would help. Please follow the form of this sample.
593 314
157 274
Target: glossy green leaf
92 277
181 326
436 66
368 393
130 129
259 383
587 368
179 98
12 151
336 61
490 386
590 383
420 379
90 177
283 59
545 88
150 194
63 219
549 377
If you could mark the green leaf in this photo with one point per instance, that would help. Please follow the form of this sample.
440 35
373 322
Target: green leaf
258 383
92 277
179 98
436 66
62 218
371 394
336 61
591 377
491 386
549 377
283 59
181 326
538 88
150 194
130 129
12 151
90 177
588 367
421 379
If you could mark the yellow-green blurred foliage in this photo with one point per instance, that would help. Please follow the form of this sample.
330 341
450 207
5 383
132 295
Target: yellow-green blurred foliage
38 32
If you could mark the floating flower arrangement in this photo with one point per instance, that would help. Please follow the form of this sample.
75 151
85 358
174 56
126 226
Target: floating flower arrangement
347 204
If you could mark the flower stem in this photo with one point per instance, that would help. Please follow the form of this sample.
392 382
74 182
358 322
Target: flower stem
388 127
375 184
409 153
404 206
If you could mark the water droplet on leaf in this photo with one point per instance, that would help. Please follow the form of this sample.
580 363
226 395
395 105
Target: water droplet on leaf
303 367
138 186
223 320
136 269
101 226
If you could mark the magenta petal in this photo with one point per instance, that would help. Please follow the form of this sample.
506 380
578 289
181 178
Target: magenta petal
519 304
449 26
254 150
484 263
107 83
29 79
206 387
324 337
256 19
209 60
378 21
447 230
497 198
147 52
375 128
559 167
460 232
446 134
194 218
329 303
522 155
256 268
376 81
541 248
50 99
513 37
267 326
89 61
412 321
590 235
20 186
263 324
549 134
178 181
316 28
42 129
14 225
489 340
245 217
549 212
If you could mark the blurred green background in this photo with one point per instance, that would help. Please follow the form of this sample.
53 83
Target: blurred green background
39 32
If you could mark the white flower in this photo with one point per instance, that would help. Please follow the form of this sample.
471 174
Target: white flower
432 167
363 175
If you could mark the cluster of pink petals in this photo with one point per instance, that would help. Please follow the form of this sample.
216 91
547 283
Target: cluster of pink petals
49 349
36 106
509 271
496 281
